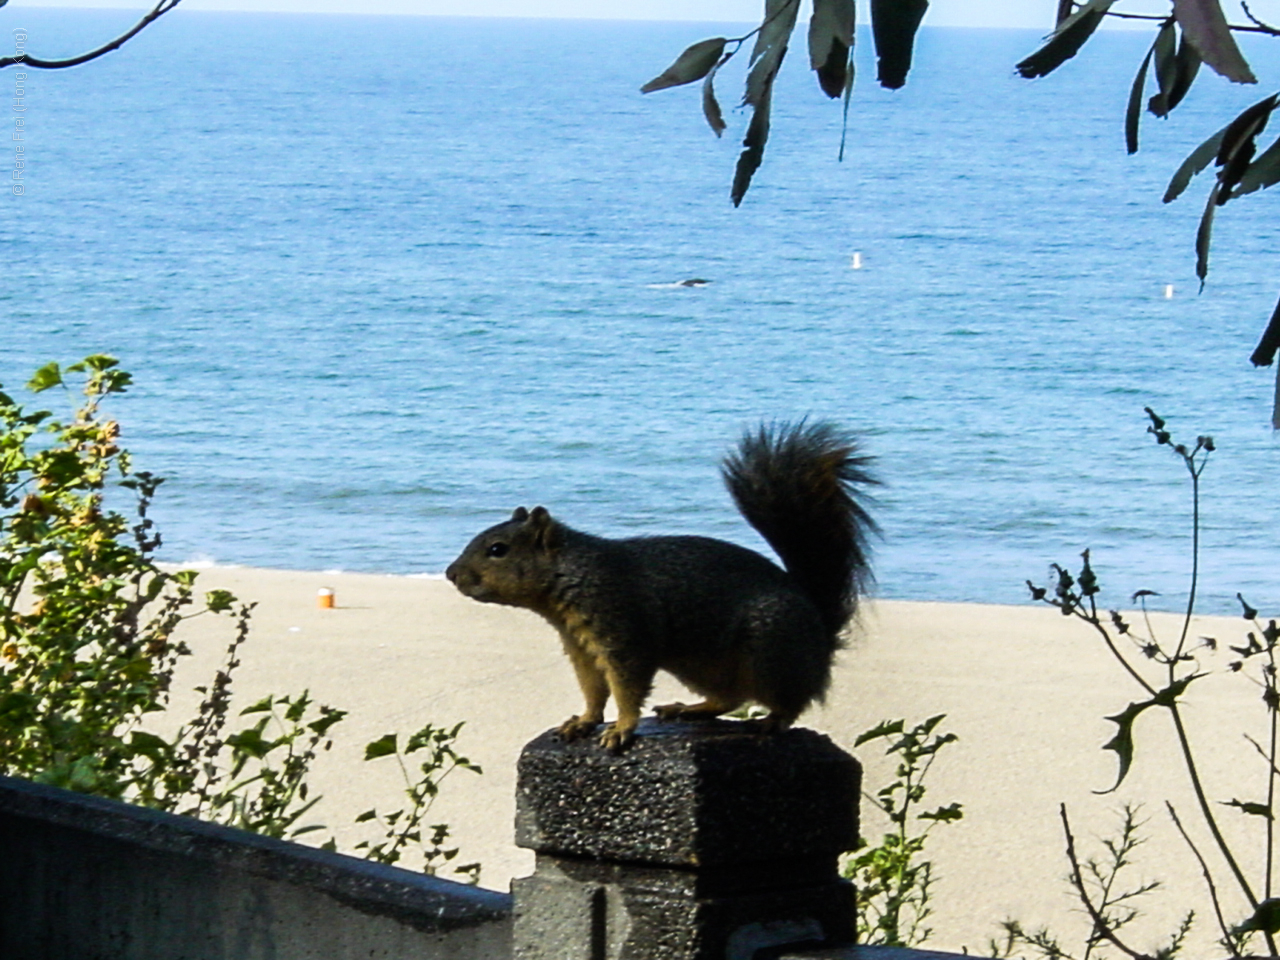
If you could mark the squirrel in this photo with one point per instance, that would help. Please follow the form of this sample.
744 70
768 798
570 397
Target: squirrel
724 620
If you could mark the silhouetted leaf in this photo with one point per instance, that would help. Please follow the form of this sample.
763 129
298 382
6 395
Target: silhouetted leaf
750 158
1253 809
1239 142
766 58
947 814
1266 919
694 64
1066 40
1122 742
382 747
1133 112
1263 355
250 742
885 728
1204 236
1205 26
710 105
893 25
830 39
1197 160
1165 53
769 49
1188 66
1263 172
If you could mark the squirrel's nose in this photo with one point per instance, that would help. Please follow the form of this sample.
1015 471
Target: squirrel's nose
451 574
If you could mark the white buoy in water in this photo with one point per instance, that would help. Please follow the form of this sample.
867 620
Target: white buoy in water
1168 291
856 262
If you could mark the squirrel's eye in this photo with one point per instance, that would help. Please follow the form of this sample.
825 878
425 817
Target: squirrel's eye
498 549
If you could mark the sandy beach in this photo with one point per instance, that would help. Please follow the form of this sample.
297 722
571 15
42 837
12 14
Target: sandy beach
1024 688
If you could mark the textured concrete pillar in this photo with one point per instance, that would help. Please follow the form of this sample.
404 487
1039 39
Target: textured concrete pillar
703 840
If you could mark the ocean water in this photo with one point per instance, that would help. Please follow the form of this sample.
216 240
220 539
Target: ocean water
381 280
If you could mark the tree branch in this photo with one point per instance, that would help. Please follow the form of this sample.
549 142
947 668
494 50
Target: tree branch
1256 27
160 9
1262 27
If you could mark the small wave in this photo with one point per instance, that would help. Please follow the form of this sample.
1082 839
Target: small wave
199 562
691 283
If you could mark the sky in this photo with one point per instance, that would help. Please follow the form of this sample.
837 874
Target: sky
1035 14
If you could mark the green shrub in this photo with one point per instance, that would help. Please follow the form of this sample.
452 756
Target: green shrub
88 648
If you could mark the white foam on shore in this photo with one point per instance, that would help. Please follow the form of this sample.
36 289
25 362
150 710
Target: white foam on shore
199 563
208 563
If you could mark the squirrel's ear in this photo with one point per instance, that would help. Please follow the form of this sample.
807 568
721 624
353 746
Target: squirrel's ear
520 514
545 530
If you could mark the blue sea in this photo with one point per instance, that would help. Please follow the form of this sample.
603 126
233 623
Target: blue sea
380 280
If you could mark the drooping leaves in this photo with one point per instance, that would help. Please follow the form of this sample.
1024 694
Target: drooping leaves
1262 172
693 64
893 25
830 41
1204 235
710 105
1186 66
753 148
766 57
1265 352
1165 53
1177 64
1122 742
1204 24
1066 40
1133 111
770 48
1232 149
1239 143
1197 160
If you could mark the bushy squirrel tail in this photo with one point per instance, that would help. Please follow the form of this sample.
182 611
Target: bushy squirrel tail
801 486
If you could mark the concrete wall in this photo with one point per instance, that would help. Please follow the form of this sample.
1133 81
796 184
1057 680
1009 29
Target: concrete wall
82 878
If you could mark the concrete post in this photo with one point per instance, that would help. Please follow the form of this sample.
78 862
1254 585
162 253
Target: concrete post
702 840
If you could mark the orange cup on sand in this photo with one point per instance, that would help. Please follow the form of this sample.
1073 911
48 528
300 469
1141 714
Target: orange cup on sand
324 598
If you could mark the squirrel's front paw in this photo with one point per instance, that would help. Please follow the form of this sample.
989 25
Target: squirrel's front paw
617 738
575 728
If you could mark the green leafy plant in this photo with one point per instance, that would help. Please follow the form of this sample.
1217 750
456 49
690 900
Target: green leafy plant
892 880
88 648
1174 667
403 828
87 618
